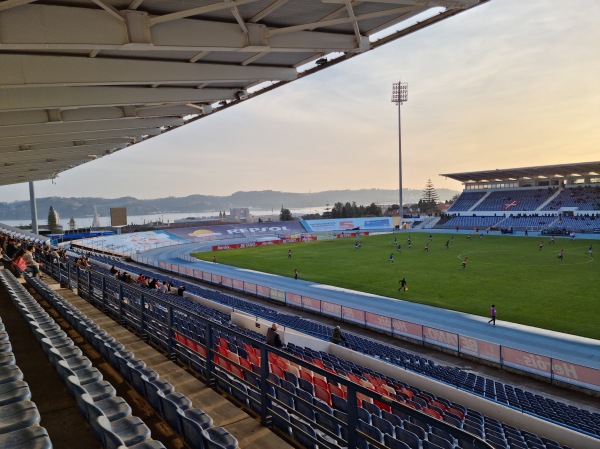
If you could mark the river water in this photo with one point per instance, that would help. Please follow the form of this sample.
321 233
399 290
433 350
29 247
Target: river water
86 222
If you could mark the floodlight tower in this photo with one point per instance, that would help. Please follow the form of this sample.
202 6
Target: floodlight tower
400 96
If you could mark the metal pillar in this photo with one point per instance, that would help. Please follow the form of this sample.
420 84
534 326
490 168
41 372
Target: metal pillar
34 223
400 96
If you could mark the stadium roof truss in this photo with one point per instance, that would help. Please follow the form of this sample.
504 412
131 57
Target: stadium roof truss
515 174
81 79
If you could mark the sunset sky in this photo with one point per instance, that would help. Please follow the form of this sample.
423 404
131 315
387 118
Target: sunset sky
507 84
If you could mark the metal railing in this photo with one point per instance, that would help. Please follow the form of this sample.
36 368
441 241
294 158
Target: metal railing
193 339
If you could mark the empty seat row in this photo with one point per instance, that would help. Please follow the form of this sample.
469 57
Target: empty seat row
194 425
19 416
83 379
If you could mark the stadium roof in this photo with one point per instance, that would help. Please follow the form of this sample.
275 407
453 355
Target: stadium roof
81 79
513 174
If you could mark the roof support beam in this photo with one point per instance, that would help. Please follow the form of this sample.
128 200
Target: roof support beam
134 134
340 21
42 71
109 141
9 152
90 97
8 4
98 32
64 154
268 10
76 127
199 11
110 10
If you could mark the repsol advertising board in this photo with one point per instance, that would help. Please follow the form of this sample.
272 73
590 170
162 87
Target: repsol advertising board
214 232
347 224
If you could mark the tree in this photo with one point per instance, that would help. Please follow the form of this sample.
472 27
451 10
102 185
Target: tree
52 221
429 200
373 210
285 215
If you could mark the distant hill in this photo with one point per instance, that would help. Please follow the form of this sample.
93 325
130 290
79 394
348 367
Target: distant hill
266 199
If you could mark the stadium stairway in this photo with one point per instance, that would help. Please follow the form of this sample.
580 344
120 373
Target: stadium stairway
246 429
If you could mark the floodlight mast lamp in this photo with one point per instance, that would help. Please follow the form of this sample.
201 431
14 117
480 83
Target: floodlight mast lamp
400 96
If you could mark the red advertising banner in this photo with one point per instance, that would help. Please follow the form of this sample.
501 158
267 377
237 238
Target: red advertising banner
526 361
189 271
227 282
346 235
255 244
250 288
292 298
216 278
311 303
162 264
482 349
576 374
198 274
330 308
225 247
265 292
206 276
407 328
355 315
238 285
440 337
265 243
378 321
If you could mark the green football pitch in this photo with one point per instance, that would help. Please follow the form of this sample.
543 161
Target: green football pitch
528 285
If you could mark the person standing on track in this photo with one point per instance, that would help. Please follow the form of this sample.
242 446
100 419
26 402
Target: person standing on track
492 315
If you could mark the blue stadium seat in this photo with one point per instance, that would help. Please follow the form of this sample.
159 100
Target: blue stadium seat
112 440
370 430
408 437
393 443
11 392
439 441
193 422
114 407
383 425
171 404
219 438
34 437
130 429
85 375
139 377
97 390
305 434
281 419
17 416
7 358
151 392
10 373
